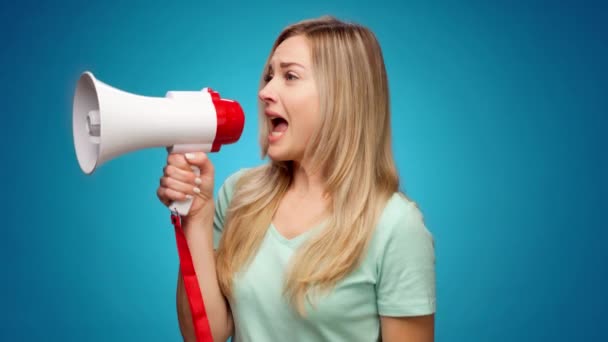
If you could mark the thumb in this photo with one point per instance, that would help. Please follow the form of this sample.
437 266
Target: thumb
196 158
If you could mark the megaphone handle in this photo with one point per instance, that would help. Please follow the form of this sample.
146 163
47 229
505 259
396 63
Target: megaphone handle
183 207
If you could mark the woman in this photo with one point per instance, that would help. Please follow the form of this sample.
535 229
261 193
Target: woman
317 245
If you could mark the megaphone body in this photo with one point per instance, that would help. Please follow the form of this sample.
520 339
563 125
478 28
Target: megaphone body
108 122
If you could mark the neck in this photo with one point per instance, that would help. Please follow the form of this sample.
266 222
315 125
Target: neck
305 183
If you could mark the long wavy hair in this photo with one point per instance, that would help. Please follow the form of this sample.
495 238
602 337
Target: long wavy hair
352 150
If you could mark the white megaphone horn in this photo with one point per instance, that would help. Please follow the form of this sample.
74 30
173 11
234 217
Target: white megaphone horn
108 122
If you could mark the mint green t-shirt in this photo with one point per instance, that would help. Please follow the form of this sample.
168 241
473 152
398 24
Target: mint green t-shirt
396 278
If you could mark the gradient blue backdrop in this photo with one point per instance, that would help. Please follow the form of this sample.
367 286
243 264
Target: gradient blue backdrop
499 113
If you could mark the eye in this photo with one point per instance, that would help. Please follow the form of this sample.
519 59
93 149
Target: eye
267 78
290 76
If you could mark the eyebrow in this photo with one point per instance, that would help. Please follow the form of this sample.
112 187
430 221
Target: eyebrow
288 64
284 65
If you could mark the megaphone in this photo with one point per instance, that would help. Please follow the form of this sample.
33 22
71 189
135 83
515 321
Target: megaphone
108 122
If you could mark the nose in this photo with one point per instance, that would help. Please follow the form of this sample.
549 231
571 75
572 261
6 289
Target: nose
267 95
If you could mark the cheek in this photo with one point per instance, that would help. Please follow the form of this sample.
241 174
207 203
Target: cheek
305 120
306 113
313 117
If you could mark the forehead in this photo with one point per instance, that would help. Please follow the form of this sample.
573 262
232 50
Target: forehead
295 49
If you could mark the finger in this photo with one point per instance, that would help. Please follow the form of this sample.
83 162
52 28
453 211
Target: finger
179 186
178 160
179 174
201 160
161 194
171 195
196 158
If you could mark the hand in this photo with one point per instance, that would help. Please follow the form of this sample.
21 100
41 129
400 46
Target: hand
179 181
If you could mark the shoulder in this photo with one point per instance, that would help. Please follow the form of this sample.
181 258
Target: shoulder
230 183
226 189
401 213
401 225
404 261
234 177
224 198
244 178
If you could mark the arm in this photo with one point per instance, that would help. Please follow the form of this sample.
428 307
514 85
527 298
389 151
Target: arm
411 329
200 243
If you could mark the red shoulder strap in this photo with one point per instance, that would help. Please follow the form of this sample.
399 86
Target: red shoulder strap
193 291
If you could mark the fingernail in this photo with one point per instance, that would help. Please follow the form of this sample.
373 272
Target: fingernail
189 155
189 197
197 190
198 180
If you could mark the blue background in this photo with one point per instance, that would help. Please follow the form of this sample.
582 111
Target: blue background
499 113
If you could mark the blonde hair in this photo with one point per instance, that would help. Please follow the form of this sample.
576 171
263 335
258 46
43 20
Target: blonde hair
353 151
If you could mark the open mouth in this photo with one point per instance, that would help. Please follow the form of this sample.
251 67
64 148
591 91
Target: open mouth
279 126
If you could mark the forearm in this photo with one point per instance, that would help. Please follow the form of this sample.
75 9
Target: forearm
199 235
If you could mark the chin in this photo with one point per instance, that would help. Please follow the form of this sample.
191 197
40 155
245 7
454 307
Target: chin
277 156
276 153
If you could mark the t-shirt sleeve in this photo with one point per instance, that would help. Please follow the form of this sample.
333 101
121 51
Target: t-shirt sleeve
406 280
222 202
